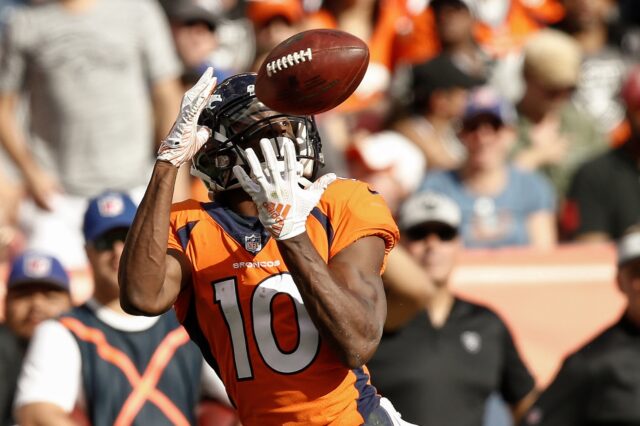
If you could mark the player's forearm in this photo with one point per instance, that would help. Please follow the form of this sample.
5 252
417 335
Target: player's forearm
150 279
143 262
350 322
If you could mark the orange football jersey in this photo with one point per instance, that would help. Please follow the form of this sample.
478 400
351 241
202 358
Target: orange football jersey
246 314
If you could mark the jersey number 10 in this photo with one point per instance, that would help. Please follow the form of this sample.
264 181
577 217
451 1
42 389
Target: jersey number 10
283 362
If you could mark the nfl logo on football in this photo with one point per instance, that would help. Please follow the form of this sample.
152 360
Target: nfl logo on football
252 243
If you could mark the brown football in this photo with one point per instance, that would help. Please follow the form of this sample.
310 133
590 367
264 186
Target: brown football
312 71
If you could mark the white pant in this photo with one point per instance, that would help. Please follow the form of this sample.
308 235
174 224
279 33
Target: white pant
59 232
396 417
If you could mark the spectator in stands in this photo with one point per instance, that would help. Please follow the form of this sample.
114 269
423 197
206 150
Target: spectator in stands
193 27
603 198
206 34
118 368
553 135
439 91
376 22
99 75
504 25
603 66
597 384
454 26
499 30
273 21
390 163
501 204
441 356
37 290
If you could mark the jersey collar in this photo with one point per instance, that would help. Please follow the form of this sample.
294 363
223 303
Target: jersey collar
247 231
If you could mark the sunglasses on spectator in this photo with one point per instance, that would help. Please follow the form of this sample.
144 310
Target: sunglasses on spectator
106 241
443 232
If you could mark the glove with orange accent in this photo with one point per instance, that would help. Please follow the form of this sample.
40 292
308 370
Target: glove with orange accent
283 205
185 137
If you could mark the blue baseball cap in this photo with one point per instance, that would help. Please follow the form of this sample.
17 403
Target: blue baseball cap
34 267
486 101
108 211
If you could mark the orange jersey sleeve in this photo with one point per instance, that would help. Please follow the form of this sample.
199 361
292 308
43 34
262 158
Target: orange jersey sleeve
357 211
245 312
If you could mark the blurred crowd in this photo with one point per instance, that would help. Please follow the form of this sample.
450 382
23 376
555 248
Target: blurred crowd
484 100
520 120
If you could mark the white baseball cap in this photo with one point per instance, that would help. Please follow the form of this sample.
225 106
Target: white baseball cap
392 151
629 247
428 207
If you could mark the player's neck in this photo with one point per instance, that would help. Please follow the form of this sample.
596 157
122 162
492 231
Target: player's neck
238 201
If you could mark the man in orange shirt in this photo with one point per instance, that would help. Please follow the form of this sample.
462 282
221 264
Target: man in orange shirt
277 280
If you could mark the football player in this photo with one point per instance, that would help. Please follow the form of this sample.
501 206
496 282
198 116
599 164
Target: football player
278 279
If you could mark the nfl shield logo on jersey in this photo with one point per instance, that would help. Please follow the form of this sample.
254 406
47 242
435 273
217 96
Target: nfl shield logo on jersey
252 243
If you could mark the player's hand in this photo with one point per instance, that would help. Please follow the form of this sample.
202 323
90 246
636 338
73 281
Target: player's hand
185 137
283 206
42 187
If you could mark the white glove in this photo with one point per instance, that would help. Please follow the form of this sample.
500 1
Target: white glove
283 206
185 137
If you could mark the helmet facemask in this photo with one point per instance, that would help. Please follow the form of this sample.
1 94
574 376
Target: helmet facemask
238 123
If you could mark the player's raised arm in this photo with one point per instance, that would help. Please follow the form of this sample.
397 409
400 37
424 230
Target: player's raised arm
150 277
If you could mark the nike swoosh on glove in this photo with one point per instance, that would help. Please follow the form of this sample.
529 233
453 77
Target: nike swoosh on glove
283 205
185 137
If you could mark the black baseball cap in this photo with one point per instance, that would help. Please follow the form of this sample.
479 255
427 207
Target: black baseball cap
190 11
440 73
